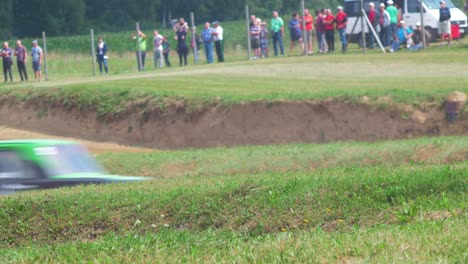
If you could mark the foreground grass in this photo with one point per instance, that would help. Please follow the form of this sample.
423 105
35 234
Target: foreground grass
240 212
286 158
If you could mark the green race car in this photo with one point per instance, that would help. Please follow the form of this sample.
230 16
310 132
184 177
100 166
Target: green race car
42 164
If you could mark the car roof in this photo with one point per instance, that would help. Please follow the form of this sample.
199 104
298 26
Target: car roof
34 142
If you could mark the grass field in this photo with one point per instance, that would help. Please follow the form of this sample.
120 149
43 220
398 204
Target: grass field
398 207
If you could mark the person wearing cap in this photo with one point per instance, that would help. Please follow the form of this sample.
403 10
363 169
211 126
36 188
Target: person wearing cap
218 41
341 22
37 55
21 56
277 31
393 12
444 22
373 19
6 53
417 38
384 23
404 36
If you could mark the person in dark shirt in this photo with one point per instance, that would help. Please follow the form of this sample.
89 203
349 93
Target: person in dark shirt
182 49
6 54
21 55
444 23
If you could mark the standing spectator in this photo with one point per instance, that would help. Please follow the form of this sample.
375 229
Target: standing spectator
196 41
158 49
444 23
166 50
182 49
218 41
207 37
329 21
341 22
253 20
373 18
384 23
264 39
296 34
6 54
255 39
417 37
309 27
404 36
320 31
393 12
101 56
21 55
277 31
140 49
37 55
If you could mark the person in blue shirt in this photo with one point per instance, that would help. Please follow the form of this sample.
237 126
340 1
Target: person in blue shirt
296 33
207 37
403 36
444 22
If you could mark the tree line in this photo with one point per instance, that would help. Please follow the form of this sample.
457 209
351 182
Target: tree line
20 18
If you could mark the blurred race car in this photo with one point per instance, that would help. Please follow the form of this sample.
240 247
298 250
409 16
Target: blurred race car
43 164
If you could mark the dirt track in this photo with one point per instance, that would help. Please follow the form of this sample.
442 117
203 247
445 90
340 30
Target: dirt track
255 123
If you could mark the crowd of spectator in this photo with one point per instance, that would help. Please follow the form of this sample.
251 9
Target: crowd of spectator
387 22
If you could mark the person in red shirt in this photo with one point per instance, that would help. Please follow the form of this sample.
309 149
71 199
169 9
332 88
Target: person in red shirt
374 21
341 20
329 22
309 27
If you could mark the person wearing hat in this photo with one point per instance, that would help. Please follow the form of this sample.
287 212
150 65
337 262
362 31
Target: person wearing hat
417 38
384 23
37 55
444 22
341 22
404 36
218 41
393 12
6 53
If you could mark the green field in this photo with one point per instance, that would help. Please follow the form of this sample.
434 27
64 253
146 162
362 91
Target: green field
345 202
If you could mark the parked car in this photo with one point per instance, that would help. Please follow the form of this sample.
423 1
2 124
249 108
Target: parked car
411 16
42 164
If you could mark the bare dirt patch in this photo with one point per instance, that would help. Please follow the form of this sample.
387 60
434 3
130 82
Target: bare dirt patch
257 123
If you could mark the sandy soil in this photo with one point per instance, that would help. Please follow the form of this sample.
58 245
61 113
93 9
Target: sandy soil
7 133
257 123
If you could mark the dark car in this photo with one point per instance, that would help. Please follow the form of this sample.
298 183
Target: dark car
42 164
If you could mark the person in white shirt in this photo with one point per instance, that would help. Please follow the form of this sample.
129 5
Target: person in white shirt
218 40
158 50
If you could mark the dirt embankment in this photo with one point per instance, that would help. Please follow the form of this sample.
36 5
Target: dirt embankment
239 124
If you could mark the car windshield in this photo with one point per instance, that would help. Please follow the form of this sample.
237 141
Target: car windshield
435 4
68 159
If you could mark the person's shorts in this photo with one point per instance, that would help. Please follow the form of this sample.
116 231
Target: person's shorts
308 35
444 27
254 43
36 66
295 36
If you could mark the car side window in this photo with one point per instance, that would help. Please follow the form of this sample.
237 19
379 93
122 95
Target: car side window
12 166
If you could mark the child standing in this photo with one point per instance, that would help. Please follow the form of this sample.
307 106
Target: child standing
264 39
166 51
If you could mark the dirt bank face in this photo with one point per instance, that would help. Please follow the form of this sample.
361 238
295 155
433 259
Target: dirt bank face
239 124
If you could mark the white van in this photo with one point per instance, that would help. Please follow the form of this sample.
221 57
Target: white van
411 16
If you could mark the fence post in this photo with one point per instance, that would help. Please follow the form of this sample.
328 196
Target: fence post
93 53
363 34
140 62
304 34
421 11
248 30
44 45
195 45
